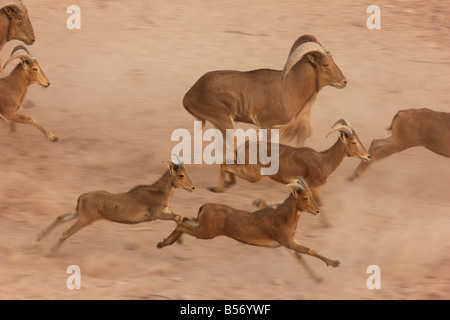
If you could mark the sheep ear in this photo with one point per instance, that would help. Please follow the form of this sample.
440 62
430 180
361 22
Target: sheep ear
313 59
170 165
10 12
294 192
342 136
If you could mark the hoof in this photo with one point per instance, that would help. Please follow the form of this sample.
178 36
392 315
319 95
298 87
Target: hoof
228 184
215 189
335 264
258 203
318 279
159 245
55 139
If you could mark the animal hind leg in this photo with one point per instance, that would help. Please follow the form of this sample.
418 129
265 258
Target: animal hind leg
223 122
20 118
186 225
171 239
58 220
69 232
379 149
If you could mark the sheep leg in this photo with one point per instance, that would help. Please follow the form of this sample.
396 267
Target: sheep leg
166 214
379 149
297 247
79 224
188 225
171 239
58 220
222 121
20 118
248 172
261 203
318 199
191 226
222 184
308 269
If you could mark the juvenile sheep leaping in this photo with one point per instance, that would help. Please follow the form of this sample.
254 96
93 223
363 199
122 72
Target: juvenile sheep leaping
314 166
267 227
411 128
14 87
140 204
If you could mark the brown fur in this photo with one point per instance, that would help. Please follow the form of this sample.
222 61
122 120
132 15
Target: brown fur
14 25
140 204
259 97
13 89
412 128
315 167
267 227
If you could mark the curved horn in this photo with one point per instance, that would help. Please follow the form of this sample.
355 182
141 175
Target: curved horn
295 185
301 181
21 56
341 125
20 47
297 54
344 122
180 162
11 3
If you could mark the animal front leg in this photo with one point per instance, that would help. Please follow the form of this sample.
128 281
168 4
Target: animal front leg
223 183
297 247
174 236
20 118
318 199
260 203
165 214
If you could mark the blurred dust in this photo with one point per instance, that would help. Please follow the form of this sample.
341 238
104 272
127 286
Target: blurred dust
117 87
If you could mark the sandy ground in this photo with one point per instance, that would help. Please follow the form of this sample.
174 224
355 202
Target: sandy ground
115 98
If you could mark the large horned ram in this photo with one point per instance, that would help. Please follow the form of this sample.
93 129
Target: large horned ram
14 23
268 98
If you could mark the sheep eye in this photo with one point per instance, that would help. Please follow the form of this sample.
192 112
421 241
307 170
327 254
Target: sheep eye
181 175
35 69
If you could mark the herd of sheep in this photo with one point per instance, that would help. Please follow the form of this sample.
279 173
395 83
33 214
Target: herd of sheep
265 98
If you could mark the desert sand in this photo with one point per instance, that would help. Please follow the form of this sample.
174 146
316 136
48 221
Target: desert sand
115 97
